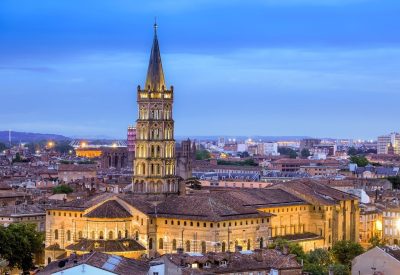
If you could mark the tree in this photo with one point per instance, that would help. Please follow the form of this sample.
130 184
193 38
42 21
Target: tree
62 189
352 151
305 153
318 261
288 152
2 146
339 269
361 161
63 147
395 181
293 248
345 251
22 242
375 241
202 154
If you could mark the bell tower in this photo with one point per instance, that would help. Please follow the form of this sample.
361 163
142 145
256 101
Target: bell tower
154 163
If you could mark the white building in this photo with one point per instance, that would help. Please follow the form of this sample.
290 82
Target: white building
385 141
270 148
242 147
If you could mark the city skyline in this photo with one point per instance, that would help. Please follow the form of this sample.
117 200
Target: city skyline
261 69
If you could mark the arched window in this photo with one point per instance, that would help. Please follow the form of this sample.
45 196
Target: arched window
203 247
223 247
126 234
110 235
150 243
56 234
80 235
137 235
68 235
248 244
119 234
173 244
261 242
93 235
48 260
187 246
161 243
101 235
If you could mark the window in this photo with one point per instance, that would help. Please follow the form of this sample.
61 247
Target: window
187 246
150 243
68 235
204 224
56 234
203 247
110 235
166 222
101 235
173 244
161 243
223 247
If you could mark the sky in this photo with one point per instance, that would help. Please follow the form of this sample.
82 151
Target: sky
320 68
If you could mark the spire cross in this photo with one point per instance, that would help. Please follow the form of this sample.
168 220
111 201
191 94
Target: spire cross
155 25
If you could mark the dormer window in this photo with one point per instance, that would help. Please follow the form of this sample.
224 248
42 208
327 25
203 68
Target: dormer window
223 263
207 265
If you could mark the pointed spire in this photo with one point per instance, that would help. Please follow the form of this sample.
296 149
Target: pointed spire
155 75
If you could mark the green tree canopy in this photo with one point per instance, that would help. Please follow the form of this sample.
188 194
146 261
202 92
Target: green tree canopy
287 152
293 248
361 161
305 153
395 181
63 147
352 151
375 241
345 251
62 189
202 154
2 147
19 243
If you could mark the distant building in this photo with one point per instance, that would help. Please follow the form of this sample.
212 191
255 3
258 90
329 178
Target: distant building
72 172
268 149
309 143
242 147
390 142
391 225
131 141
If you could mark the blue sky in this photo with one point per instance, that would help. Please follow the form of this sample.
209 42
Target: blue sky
326 68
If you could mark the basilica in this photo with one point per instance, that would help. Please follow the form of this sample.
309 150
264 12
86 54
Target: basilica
159 215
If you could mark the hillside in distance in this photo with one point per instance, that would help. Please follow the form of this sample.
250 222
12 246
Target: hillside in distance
29 137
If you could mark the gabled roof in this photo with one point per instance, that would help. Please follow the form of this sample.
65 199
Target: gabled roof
109 209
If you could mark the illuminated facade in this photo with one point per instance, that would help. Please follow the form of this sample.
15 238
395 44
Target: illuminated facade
154 164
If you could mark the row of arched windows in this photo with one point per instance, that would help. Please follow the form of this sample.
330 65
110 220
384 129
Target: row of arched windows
155 113
93 235
203 245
